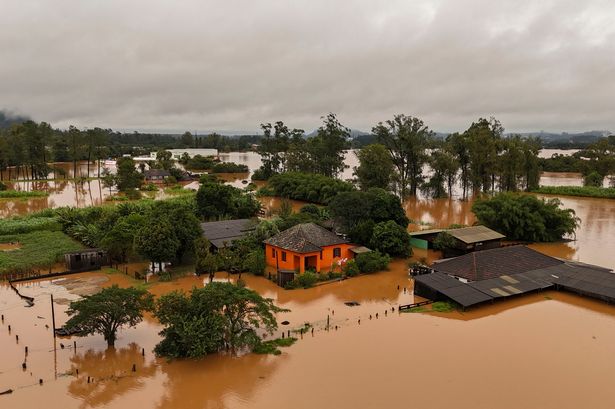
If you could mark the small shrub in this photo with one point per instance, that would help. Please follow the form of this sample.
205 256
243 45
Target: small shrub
351 268
229 167
150 187
132 194
271 347
305 280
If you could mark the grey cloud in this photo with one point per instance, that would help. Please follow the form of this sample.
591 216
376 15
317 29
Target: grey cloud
232 64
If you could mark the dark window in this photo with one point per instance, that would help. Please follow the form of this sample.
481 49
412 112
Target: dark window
321 254
78 257
337 252
283 256
273 253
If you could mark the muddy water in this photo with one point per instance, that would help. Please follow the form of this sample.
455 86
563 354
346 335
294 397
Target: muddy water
68 193
555 350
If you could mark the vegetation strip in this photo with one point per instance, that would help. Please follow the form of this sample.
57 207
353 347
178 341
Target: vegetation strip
582 191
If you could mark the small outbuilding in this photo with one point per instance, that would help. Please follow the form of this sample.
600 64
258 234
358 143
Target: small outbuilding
156 175
85 260
222 233
467 239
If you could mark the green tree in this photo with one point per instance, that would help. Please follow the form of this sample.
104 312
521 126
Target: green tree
327 148
483 139
273 147
593 179
187 140
109 310
391 238
375 167
220 316
157 241
526 217
444 167
164 159
406 138
215 200
119 240
444 240
127 176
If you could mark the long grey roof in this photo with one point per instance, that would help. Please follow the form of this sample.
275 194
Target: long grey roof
492 263
521 270
225 232
305 238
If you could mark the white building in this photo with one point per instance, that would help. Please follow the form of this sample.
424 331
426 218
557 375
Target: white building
178 153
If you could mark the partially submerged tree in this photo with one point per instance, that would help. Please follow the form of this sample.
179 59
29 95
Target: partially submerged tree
526 217
220 316
375 167
109 310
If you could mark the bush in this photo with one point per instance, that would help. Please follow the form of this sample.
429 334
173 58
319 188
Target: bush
18 194
372 262
199 162
392 239
2 186
132 194
259 174
444 240
309 187
150 187
271 347
351 268
229 167
305 280
526 217
593 179
255 262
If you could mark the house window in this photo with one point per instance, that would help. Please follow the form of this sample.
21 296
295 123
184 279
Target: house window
337 252
283 256
273 253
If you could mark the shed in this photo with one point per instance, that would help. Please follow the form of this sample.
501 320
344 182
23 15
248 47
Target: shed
222 233
156 174
85 260
467 239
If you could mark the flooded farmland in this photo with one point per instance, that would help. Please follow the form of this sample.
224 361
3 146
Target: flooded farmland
550 349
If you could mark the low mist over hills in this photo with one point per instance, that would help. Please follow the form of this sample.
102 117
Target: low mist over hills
8 118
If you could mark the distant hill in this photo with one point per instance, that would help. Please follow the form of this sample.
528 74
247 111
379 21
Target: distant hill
7 119
354 133
568 139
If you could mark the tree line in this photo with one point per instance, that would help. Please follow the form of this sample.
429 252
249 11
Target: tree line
27 148
407 157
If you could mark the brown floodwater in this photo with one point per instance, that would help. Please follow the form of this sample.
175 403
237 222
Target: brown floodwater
545 350
66 192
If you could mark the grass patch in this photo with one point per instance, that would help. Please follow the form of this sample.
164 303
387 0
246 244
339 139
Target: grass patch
416 309
272 347
39 249
443 306
582 191
20 194
178 190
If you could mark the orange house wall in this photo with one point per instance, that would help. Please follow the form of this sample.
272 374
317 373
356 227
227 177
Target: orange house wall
323 263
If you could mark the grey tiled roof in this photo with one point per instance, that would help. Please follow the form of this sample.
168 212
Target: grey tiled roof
486 264
223 232
305 238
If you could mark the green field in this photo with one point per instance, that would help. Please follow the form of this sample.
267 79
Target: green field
20 194
38 249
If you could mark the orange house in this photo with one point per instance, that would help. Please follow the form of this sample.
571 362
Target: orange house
304 247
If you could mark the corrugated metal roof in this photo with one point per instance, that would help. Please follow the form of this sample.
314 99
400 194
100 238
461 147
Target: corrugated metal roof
360 250
475 234
461 293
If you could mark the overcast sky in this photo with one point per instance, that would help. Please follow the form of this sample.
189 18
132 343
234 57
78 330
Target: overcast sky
230 64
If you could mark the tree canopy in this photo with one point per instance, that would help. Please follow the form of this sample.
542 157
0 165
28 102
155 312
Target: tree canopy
220 316
109 310
526 217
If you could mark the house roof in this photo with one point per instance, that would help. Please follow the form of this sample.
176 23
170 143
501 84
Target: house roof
487 264
225 231
156 172
513 271
305 238
467 235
